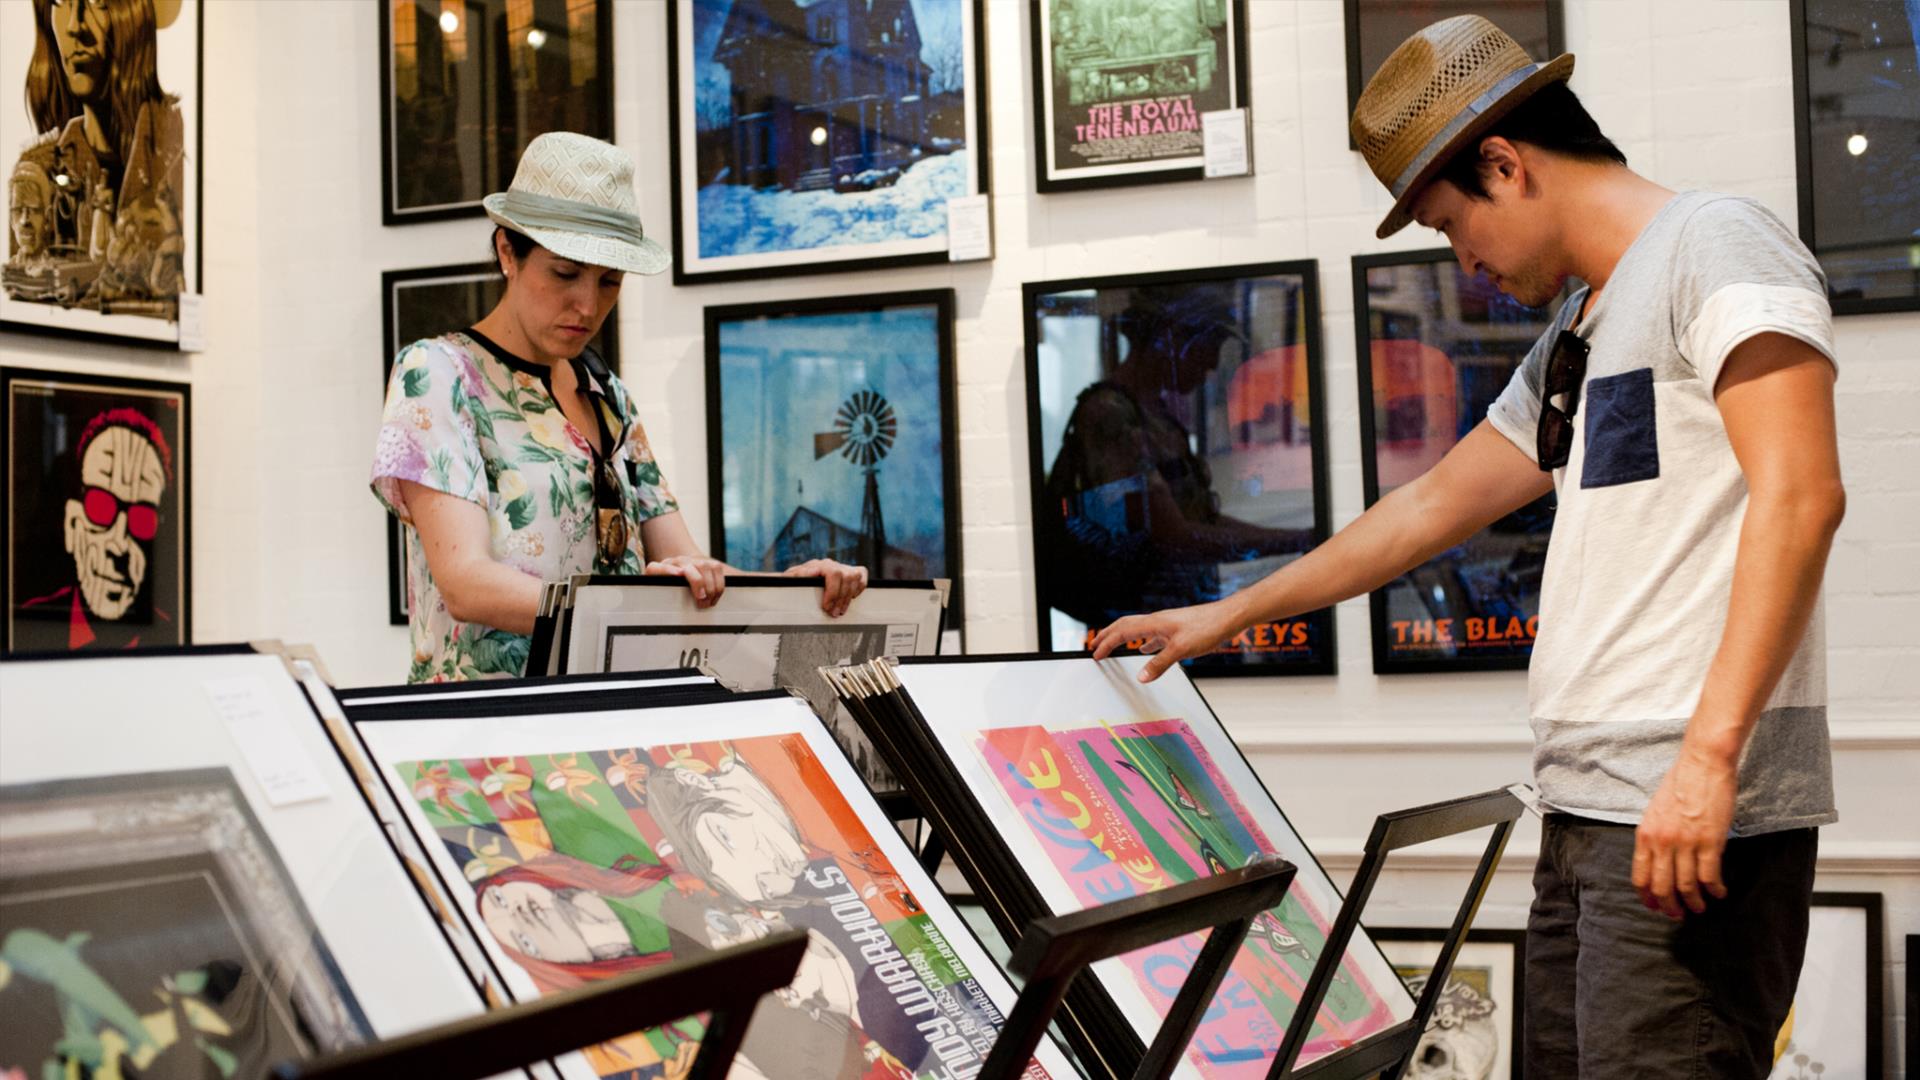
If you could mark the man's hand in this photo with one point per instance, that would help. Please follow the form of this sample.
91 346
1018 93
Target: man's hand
1171 636
843 582
1677 848
706 577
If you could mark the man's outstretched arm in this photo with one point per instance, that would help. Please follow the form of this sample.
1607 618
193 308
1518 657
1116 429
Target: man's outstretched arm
1480 480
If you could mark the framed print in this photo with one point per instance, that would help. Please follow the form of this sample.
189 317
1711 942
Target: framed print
809 138
1377 27
465 85
1119 86
1475 1033
1856 75
831 434
625 836
98 542
288 924
1086 787
102 131
428 302
1439 346
1177 451
765 632
121 893
1836 1026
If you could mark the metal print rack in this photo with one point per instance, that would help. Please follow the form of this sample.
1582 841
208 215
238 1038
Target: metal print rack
729 984
1106 1038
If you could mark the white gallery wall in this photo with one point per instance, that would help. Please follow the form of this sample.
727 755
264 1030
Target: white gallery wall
289 544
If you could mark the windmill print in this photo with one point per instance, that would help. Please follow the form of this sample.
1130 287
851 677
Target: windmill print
830 430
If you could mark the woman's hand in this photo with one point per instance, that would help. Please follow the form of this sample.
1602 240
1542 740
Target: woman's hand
706 577
843 582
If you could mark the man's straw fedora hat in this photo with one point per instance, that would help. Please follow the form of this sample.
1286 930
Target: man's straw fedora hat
1438 92
573 195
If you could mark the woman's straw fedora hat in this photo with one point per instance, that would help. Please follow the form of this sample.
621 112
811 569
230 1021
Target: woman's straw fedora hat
1435 95
574 196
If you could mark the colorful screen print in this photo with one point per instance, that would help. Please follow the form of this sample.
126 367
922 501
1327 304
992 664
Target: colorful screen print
96 486
821 136
1120 86
1377 27
1177 452
101 129
147 927
833 432
466 85
1123 789
1439 347
591 844
1856 111
425 303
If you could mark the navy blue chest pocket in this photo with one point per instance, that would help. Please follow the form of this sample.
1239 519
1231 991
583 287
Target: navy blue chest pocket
1623 443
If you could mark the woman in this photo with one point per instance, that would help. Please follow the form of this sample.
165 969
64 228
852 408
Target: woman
511 449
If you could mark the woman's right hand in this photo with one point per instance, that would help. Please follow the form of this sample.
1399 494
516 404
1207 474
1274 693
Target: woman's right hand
1169 636
706 577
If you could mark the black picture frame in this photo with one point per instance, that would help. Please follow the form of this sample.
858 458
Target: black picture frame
1813 93
1419 13
1312 631
484 286
687 160
1514 1008
596 102
1391 655
1155 170
136 328
1872 906
943 304
178 507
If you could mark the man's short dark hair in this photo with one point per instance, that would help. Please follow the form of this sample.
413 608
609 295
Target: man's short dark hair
1553 120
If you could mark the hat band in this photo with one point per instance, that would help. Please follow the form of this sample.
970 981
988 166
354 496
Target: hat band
1467 116
570 215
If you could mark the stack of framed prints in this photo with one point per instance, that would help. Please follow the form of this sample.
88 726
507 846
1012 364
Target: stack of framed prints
428 302
820 137
592 834
1437 347
1377 27
765 632
1064 783
1118 89
1177 451
103 165
464 87
1477 1027
97 540
1856 75
831 435
208 900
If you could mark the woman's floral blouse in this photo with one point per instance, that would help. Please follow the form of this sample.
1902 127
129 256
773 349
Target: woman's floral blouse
467 418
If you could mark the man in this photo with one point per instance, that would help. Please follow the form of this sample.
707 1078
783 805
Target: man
126 468
1683 402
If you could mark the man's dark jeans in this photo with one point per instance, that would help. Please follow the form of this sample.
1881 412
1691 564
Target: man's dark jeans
1616 990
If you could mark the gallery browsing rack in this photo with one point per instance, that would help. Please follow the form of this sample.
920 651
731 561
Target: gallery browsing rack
299 875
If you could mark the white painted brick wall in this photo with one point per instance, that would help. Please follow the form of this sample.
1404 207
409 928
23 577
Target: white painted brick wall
289 544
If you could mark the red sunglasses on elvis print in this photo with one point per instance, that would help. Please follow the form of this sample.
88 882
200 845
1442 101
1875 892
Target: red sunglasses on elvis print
102 506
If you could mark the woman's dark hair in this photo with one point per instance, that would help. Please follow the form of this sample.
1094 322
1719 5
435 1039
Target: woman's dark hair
132 49
520 242
1553 120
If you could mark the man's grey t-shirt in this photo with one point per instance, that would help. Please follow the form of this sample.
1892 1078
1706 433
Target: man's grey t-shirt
1640 567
